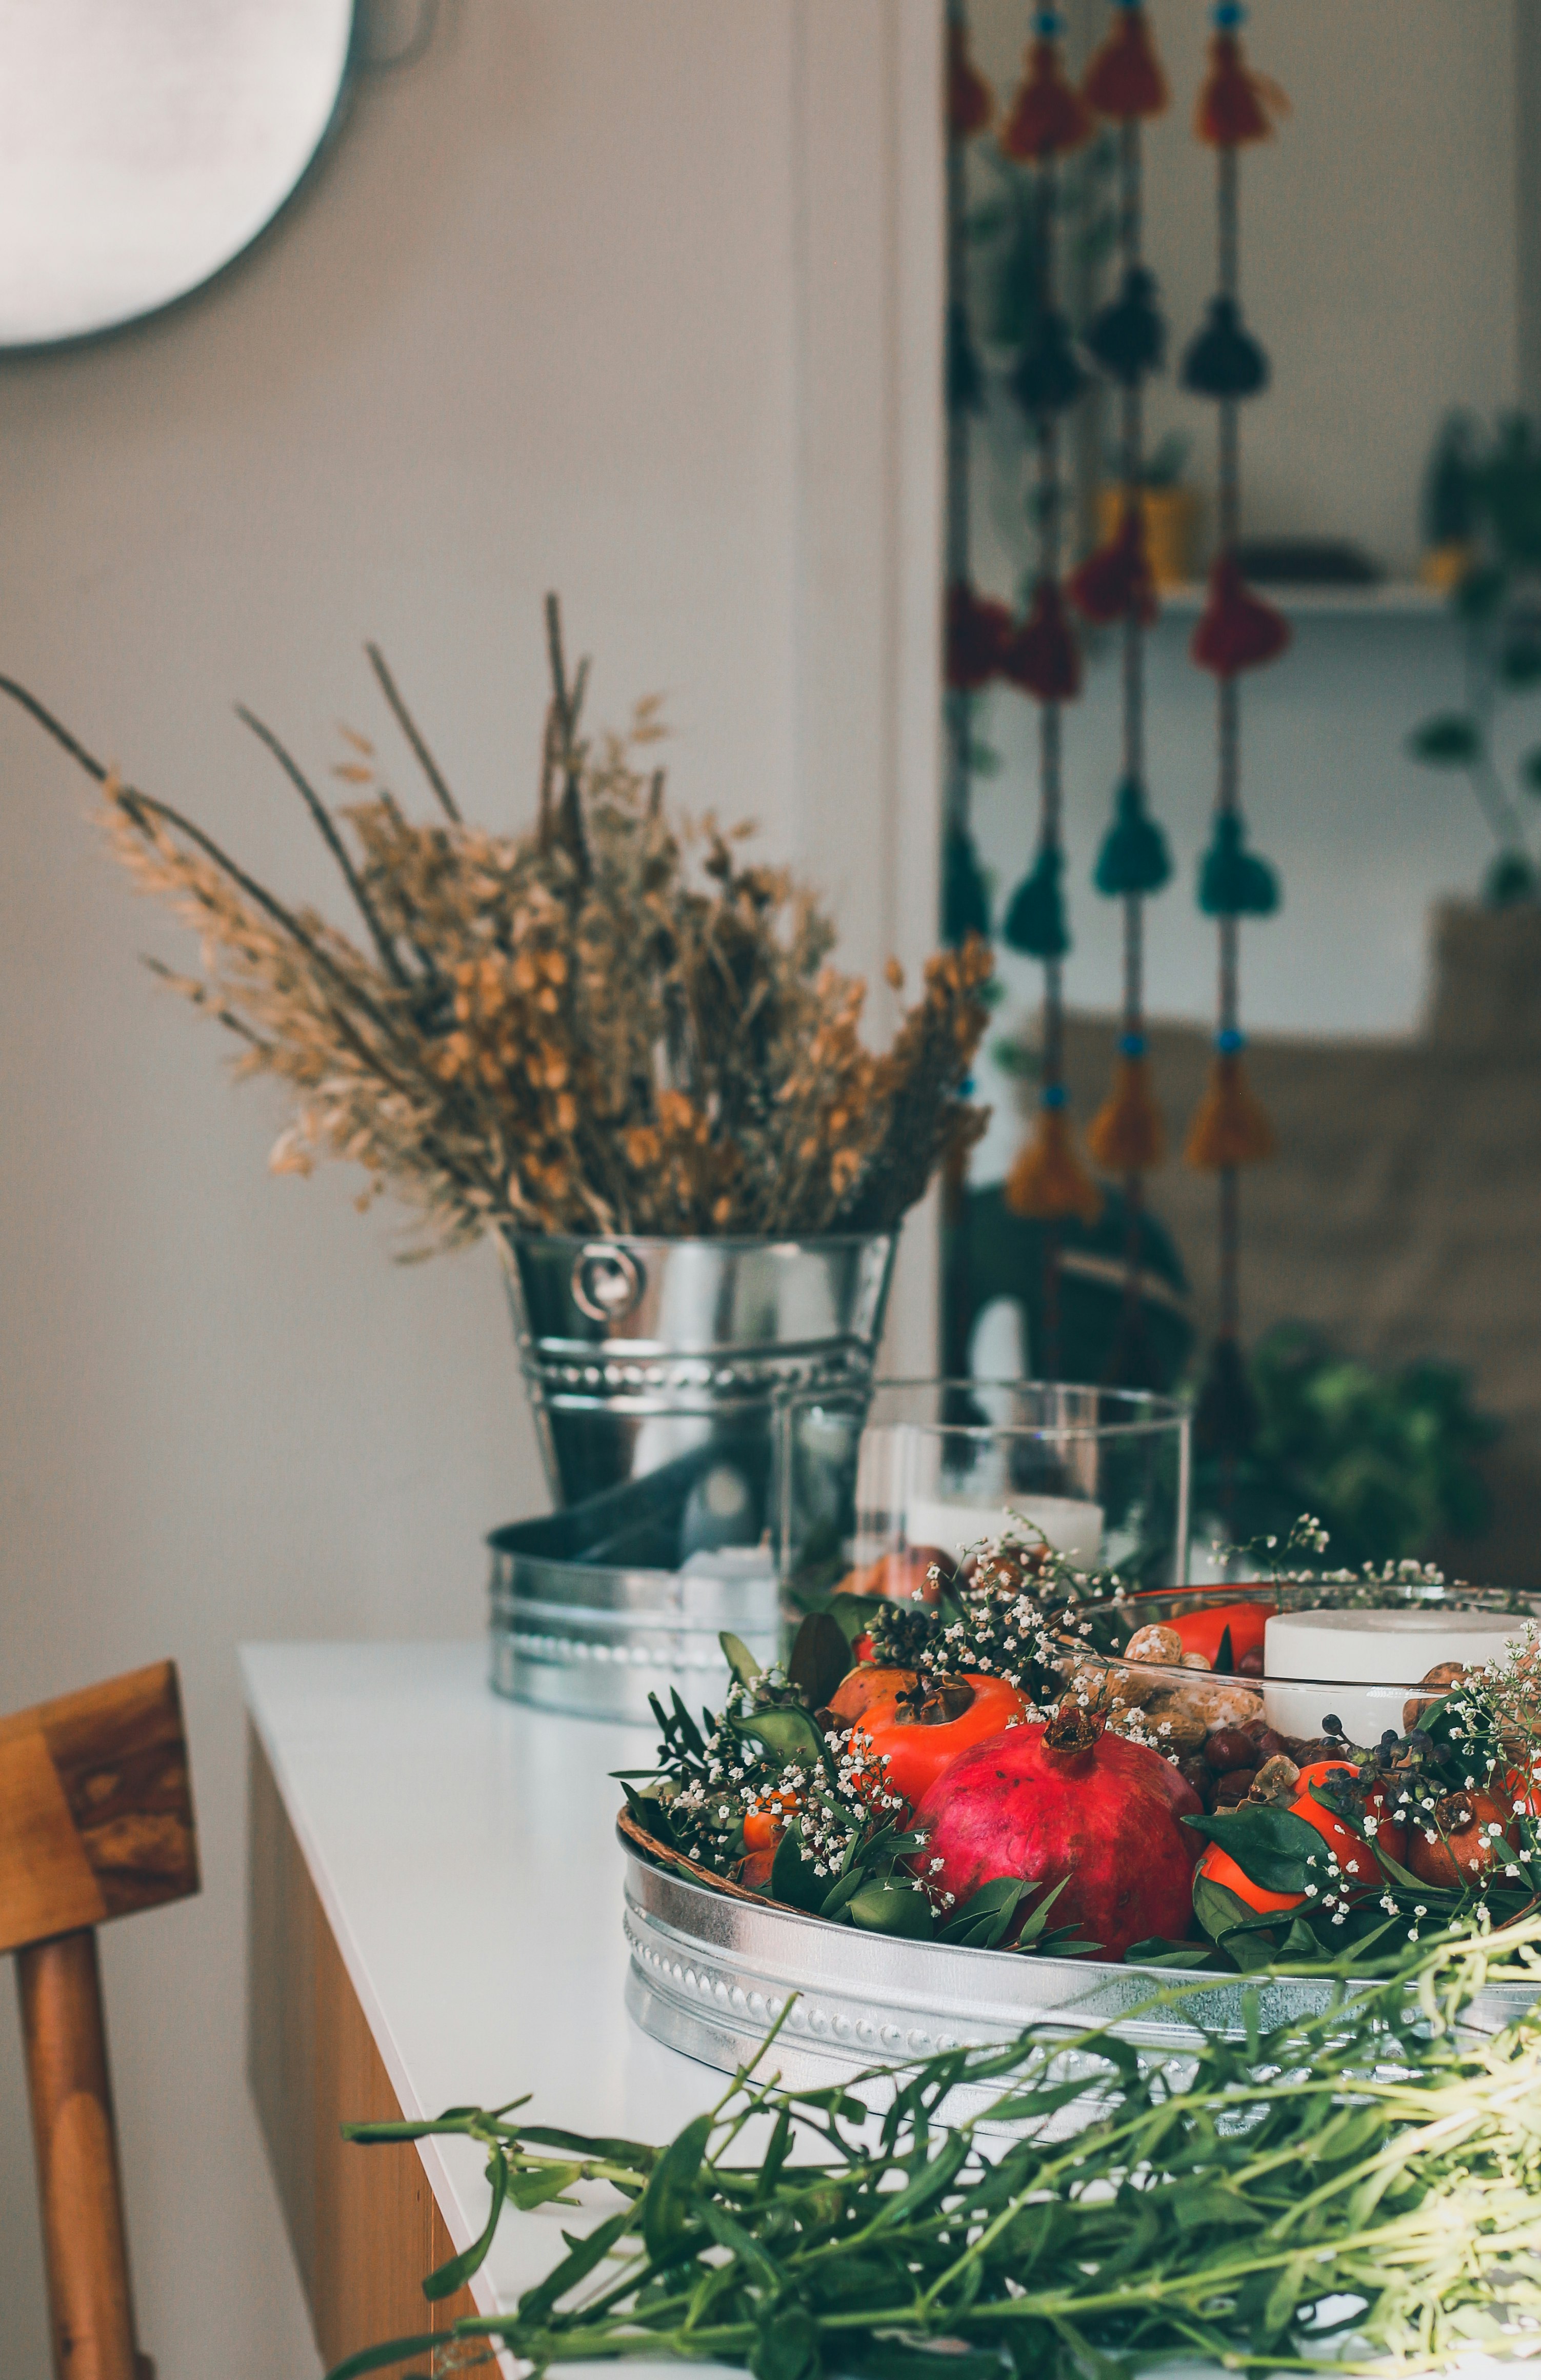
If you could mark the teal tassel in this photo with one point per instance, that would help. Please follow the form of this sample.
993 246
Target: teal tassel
1232 881
1035 921
964 897
1134 857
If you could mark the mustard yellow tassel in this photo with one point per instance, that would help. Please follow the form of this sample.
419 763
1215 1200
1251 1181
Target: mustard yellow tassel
1049 1181
1230 1126
1127 1135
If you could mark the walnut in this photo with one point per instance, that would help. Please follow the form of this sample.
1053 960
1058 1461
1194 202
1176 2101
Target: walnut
1443 1675
1155 1643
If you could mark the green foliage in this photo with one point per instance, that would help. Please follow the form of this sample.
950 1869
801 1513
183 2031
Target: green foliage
1364 2178
1386 1459
1484 493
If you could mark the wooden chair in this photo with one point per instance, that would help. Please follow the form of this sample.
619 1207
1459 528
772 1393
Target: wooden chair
96 1821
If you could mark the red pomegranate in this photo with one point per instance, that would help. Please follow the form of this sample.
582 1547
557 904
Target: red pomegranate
1068 1800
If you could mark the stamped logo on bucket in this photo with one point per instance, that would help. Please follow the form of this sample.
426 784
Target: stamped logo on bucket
607 1282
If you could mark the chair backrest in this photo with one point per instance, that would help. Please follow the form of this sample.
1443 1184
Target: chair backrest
96 1821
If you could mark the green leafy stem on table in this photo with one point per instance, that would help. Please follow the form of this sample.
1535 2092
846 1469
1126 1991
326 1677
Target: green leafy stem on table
1362 2178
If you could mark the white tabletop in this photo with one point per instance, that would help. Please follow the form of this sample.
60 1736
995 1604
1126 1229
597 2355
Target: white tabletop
465 1852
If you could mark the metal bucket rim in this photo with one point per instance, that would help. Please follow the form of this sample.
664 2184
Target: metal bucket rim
728 1241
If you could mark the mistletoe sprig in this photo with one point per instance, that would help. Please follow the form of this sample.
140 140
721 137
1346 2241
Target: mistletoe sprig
1363 2179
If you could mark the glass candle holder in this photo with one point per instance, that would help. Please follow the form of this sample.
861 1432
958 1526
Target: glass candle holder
927 1469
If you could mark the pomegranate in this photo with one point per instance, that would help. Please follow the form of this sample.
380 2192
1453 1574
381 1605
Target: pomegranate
1067 1800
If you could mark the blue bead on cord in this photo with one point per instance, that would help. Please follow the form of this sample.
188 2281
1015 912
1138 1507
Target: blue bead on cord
1054 1096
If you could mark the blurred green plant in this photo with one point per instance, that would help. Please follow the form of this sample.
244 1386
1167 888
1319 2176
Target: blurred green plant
1484 491
1385 1459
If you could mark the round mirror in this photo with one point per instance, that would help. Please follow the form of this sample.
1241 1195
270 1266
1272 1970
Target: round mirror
143 146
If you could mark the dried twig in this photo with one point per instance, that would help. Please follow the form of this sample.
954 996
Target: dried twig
409 727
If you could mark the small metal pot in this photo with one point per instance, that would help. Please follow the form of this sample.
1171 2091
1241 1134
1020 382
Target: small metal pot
638 1352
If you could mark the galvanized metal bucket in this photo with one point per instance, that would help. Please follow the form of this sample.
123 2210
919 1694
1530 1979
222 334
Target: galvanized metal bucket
638 1352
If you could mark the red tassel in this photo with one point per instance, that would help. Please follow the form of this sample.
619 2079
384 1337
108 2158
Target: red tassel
1115 583
1238 630
970 100
1043 658
979 633
1124 80
1049 115
1235 104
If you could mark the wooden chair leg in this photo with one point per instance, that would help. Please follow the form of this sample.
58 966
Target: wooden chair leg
78 2185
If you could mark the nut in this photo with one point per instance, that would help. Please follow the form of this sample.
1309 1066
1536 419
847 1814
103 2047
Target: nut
1155 1643
1220 1702
1236 1785
1229 1747
1443 1675
1175 1725
1275 1781
1198 1661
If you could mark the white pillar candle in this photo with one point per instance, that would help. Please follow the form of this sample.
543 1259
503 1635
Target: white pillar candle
1361 1666
1071 1525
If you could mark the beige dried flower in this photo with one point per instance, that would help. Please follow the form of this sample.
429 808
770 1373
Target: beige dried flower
609 1023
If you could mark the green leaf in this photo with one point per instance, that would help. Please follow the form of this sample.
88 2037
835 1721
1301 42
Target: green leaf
982 1920
786 2345
1227 1920
1520 663
786 1734
1269 1845
583 2256
1033 1926
739 1658
598 2147
840 1892
379 2359
893 1909
1450 739
650 1814
537 2185
453 2275
1158 1952
670 2229
820 1658
793 1878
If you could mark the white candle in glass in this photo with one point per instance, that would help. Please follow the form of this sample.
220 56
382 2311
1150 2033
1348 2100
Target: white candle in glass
1361 1666
1072 1526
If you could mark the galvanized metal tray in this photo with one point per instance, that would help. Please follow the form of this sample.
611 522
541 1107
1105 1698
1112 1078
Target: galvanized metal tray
711 1971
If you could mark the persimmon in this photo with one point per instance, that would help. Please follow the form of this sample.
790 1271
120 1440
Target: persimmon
1474 1832
1218 1867
870 1684
923 1726
1351 1850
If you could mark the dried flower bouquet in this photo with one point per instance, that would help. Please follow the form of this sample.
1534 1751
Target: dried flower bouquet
610 1023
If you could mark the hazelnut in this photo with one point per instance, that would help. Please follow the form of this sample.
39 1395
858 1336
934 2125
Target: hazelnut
1175 1727
1218 1701
1198 1661
1155 1643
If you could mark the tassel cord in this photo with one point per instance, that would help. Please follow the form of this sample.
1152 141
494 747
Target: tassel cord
959 706
1050 763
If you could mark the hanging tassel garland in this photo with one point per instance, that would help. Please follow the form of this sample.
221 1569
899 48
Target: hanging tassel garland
1223 359
1124 81
970 100
1234 881
1237 630
1128 338
1043 658
964 895
1049 117
978 632
964 374
1134 857
1048 376
1036 923
1230 1125
1115 583
1048 1183
1235 104
1127 1135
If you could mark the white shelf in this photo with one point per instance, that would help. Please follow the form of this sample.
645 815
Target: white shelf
1393 598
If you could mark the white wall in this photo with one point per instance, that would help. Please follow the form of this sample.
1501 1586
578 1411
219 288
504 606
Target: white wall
551 315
